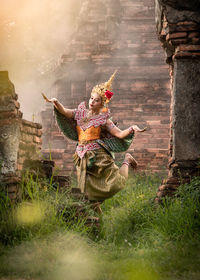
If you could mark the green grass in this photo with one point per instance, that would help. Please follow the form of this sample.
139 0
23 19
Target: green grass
137 240
42 211
166 238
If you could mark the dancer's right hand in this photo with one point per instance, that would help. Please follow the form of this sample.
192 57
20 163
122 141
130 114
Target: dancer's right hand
54 101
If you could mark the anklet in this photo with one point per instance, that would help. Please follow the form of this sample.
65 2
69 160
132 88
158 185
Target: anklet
126 162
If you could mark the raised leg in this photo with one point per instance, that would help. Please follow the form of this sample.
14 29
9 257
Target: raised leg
128 161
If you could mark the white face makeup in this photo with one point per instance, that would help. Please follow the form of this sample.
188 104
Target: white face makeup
95 103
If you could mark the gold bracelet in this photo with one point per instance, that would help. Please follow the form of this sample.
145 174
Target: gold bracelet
131 130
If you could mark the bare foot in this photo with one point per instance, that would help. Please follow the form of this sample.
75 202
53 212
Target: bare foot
96 207
133 163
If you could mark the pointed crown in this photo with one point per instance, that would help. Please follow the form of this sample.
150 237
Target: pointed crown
104 89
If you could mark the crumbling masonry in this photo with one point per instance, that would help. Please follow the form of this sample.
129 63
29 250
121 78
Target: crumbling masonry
120 34
20 140
178 25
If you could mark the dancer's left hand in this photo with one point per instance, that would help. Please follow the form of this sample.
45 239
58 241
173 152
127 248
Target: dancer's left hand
136 128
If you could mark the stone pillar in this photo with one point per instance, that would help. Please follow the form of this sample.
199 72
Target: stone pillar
19 139
10 121
178 26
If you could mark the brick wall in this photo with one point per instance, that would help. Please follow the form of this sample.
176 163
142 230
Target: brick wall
20 140
178 24
115 35
29 143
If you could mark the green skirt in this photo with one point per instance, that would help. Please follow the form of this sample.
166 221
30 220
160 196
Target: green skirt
98 176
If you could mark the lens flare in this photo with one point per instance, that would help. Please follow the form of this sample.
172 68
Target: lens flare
141 273
29 213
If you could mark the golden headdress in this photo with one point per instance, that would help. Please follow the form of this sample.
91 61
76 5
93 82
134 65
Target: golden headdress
104 89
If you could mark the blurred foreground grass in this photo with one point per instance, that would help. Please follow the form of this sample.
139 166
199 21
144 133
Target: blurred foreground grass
138 239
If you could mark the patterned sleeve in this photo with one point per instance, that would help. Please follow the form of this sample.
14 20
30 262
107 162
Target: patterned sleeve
80 112
110 125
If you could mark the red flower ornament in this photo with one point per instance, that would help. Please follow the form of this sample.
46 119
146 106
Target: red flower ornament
108 94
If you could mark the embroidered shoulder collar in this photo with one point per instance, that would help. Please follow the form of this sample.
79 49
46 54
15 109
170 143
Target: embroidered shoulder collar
96 120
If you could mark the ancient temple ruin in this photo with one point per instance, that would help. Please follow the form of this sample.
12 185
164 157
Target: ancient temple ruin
165 97
20 140
115 34
178 25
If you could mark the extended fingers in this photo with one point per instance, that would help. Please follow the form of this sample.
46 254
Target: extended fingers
136 128
144 129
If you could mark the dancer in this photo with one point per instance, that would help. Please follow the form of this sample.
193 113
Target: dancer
98 137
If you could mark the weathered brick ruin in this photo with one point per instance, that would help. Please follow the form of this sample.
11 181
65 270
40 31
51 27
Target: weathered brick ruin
178 25
115 34
120 34
20 140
